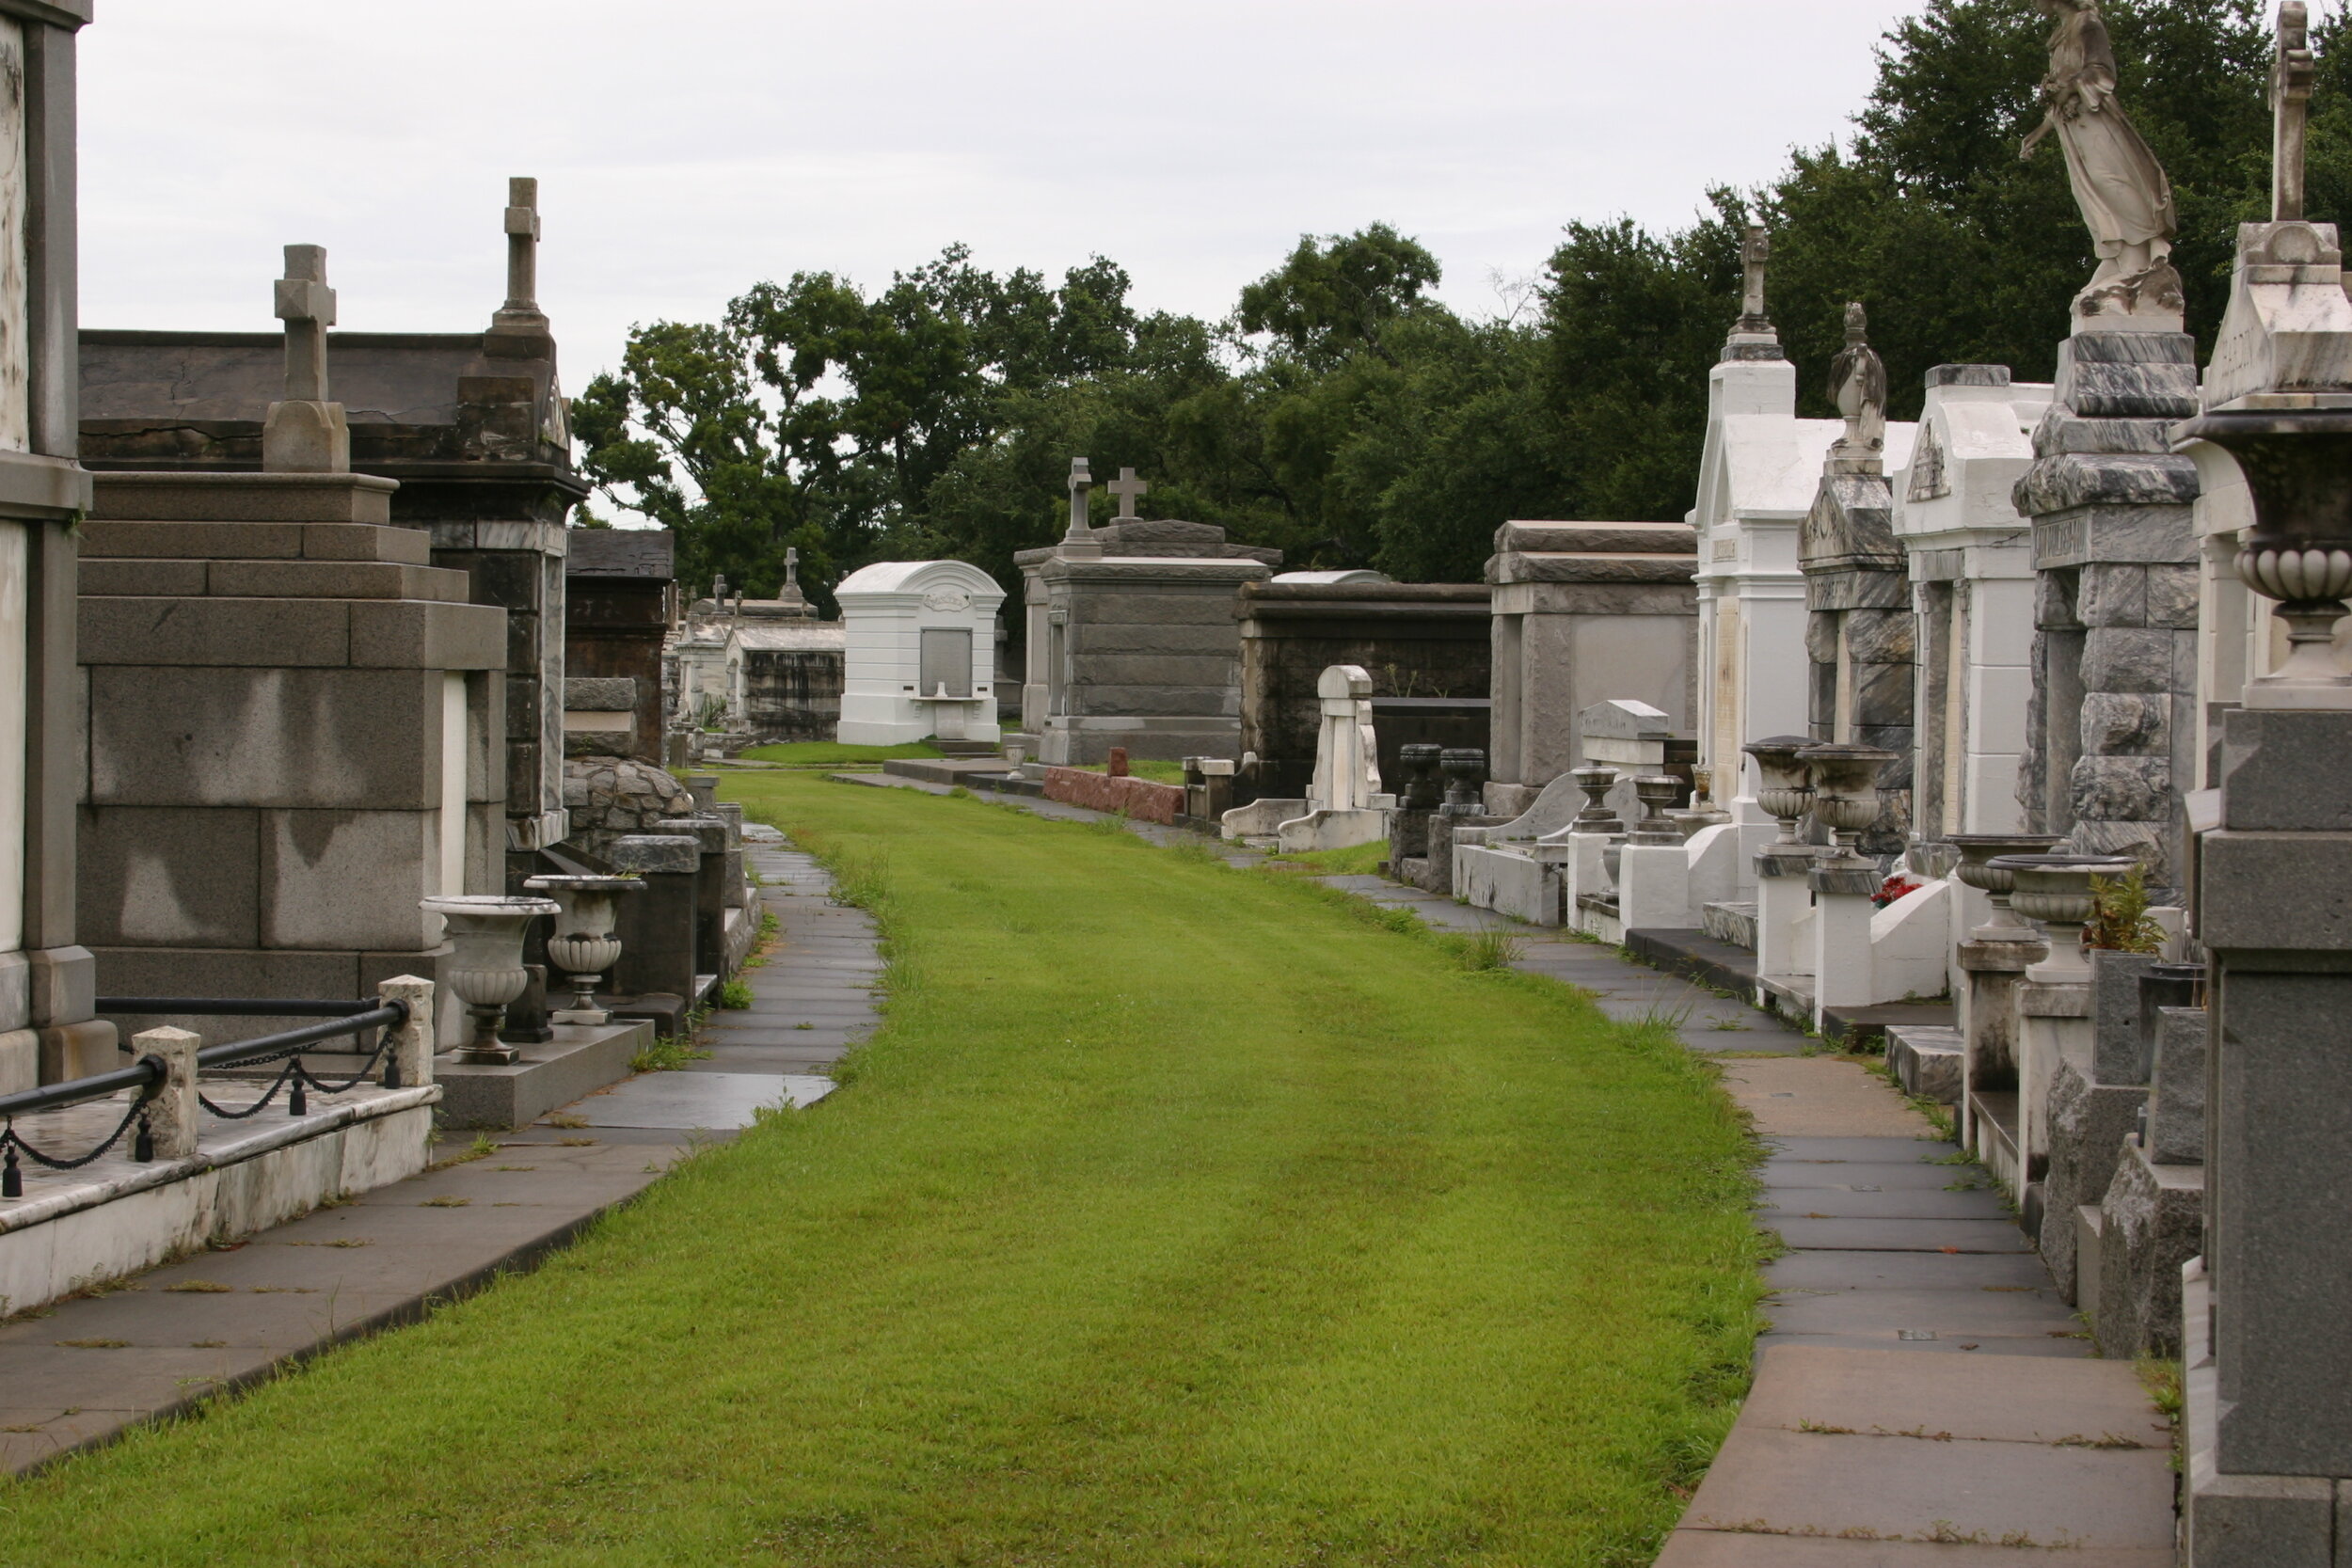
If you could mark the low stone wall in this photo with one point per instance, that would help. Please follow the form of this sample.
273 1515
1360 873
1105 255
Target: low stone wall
1140 798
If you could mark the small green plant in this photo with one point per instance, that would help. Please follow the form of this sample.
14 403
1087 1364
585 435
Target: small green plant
2119 919
1488 950
667 1054
482 1147
734 996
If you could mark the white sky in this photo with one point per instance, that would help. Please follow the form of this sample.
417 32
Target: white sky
689 148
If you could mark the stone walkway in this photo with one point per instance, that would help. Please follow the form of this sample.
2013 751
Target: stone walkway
1863 1444
80 1374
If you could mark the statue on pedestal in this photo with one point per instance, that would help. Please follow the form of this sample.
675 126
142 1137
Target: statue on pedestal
2122 189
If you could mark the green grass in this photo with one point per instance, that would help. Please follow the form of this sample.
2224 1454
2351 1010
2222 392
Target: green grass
1157 773
827 753
1177 1215
1362 859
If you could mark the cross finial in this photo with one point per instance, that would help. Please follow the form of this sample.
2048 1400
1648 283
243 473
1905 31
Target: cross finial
306 306
1756 255
522 246
2291 78
791 567
305 433
1081 536
1129 489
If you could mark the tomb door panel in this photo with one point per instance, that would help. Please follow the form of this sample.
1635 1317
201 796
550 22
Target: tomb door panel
946 661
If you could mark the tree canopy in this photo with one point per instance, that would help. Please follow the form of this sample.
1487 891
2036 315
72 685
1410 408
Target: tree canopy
1342 414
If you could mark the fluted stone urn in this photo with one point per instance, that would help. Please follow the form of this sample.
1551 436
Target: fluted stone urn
583 945
1785 790
1846 801
486 966
2056 891
1976 854
2299 551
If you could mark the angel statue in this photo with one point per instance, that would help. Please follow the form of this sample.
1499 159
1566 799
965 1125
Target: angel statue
1857 383
2124 198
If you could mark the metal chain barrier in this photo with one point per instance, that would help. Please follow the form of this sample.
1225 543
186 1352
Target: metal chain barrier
12 1176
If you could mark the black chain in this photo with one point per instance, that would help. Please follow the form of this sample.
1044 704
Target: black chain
11 1140
301 1077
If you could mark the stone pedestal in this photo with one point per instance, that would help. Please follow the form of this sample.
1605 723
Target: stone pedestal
1987 1007
1783 911
2110 733
1861 637
2270 1453
657 931
1841 937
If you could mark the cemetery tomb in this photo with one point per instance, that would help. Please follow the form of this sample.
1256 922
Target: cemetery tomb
472 425
921 654
1132 637
617 594
1971 567
1426 646
1583 613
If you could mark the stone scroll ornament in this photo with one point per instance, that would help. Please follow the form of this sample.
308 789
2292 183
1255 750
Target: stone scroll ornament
2122 189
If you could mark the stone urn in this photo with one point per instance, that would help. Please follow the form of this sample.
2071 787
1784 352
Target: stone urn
1786 791
486 967
1596 781
1464 768
1656 792
1702 813
1845 784
2056 891
1422 790
2298 553
583 945
1976 854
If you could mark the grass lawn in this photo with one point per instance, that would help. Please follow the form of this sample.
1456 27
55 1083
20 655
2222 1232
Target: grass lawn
1362 859
1180 1215
830 754
1157 773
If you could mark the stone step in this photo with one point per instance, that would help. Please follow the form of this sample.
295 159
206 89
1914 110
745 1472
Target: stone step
1927 1060
1733 925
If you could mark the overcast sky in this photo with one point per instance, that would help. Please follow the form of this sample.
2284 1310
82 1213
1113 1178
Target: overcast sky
689 148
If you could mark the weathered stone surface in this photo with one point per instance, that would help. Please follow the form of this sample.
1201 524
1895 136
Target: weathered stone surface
2172 598
2054 604
2121 789
2119 724
2112 594
1139 799
1883 695
609 799
1821 638
1883 635
2286 772
599 695
2176 1109
2086 1127
2127 659
2115 1017
2154 1223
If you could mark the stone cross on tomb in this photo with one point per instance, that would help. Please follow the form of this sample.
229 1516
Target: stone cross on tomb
305 431
2291 81
1756 255
1129 489
522 247
791 567
1080 540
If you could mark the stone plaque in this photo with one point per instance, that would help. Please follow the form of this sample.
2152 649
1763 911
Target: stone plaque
946 600
2061 542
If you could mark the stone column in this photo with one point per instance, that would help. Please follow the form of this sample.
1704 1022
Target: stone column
2271 1422
657 931
172 1111
2111 733
710 894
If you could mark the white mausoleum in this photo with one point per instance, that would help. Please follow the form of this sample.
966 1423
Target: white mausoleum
921 653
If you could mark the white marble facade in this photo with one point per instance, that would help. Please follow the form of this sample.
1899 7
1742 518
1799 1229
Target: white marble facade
921 653
1758 478
1972 574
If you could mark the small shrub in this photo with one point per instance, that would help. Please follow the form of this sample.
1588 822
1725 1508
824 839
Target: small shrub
735 996
2119 920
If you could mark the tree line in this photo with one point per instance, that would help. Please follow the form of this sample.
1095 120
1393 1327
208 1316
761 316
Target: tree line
1342 414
